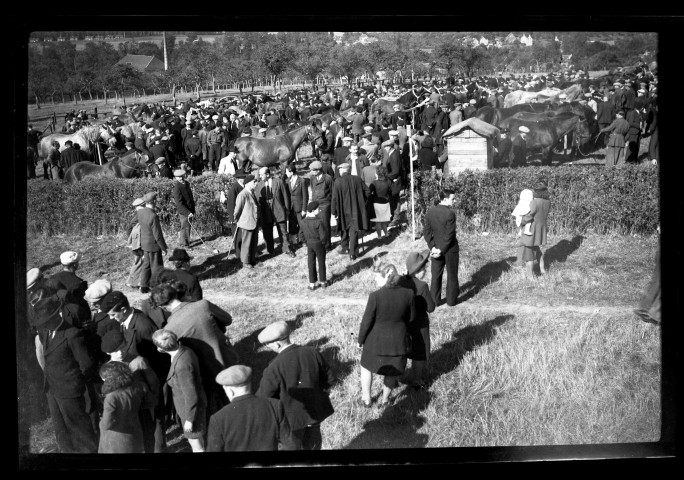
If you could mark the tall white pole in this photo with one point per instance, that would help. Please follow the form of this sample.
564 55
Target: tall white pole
166 60
409 132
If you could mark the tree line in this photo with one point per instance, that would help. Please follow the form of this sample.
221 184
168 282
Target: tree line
248 59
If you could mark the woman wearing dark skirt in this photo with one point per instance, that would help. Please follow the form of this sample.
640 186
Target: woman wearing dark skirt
383 333
539 211
419 329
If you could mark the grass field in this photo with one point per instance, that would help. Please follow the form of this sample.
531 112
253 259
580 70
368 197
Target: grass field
552 360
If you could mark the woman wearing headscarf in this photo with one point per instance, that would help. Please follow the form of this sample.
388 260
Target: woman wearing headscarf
383 333
539 211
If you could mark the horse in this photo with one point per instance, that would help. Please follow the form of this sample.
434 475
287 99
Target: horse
127 165
266 152
494 116
84 137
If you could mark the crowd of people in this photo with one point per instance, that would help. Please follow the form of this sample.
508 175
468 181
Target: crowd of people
200 136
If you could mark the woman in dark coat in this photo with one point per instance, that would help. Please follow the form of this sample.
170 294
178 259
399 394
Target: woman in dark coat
120 428
539 211
427 157
383 333
419 329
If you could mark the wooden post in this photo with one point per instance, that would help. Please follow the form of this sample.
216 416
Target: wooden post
99 153
413 200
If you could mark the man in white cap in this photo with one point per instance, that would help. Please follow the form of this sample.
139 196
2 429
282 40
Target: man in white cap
74 285
185 206
249 422
470 109
519 147
296 368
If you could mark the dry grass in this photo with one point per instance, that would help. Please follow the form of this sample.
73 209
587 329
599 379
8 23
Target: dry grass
523 361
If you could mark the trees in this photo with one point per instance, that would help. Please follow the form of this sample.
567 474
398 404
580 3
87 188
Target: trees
467 59
276 56
346 61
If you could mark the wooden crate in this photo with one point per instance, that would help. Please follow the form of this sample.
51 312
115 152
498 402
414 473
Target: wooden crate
468 150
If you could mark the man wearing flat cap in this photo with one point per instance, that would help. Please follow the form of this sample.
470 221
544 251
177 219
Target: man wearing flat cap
68 366
300 378
274 210
151 241
348 206
246 213
181 262
185 206
249 422
518 155
75 286
321 191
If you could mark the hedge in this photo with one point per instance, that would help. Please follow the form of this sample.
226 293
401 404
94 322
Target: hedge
621 200
606 200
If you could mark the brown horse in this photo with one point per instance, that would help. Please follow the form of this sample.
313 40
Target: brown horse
266 152
127 165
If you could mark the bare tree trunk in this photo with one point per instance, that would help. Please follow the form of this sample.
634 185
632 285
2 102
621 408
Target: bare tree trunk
37 102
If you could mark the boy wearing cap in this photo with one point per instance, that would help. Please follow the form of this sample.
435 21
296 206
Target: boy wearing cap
185 206
316 238
296 369
151 241
248 423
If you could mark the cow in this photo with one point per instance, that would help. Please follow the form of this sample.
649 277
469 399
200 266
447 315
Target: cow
546 130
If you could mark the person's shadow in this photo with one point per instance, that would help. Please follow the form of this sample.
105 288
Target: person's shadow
356 267
487 274
560 252
398 425
218 265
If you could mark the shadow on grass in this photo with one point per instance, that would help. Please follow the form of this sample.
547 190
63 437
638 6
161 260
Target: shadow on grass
216 266
488 273
560 252
354 268
398 425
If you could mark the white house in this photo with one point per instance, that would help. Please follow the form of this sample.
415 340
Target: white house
484 41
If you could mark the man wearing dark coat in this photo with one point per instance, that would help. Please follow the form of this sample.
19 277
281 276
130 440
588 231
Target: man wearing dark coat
67 366
193 152
633 137
299 377
152 241
249 422
73 284
69 155
439 232
185 205
298 192
394 174
518 155
441 126
429 119
605 114
349 196
274 208
321 192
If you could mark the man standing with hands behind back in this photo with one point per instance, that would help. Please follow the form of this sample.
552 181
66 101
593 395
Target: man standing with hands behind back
185 204
151 241
440 235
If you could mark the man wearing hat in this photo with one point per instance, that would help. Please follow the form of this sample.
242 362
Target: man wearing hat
470 109
185 206
321 191
94 296
68 366
249 422
162 168
134 244
341 153
274 209
618 129
291 112
214 141
193 151
315 235
349 196
181 262
604 117
429 119
519 147
247 214
69 155
297 368
441 126
74 285
158 150
419 329
151 241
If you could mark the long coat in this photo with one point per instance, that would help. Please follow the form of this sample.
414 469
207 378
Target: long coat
196 326
277 210
249 423
349 202
120 429
138 341
231 197
185 380
539 211
385 321
151 235
68 362
299 377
